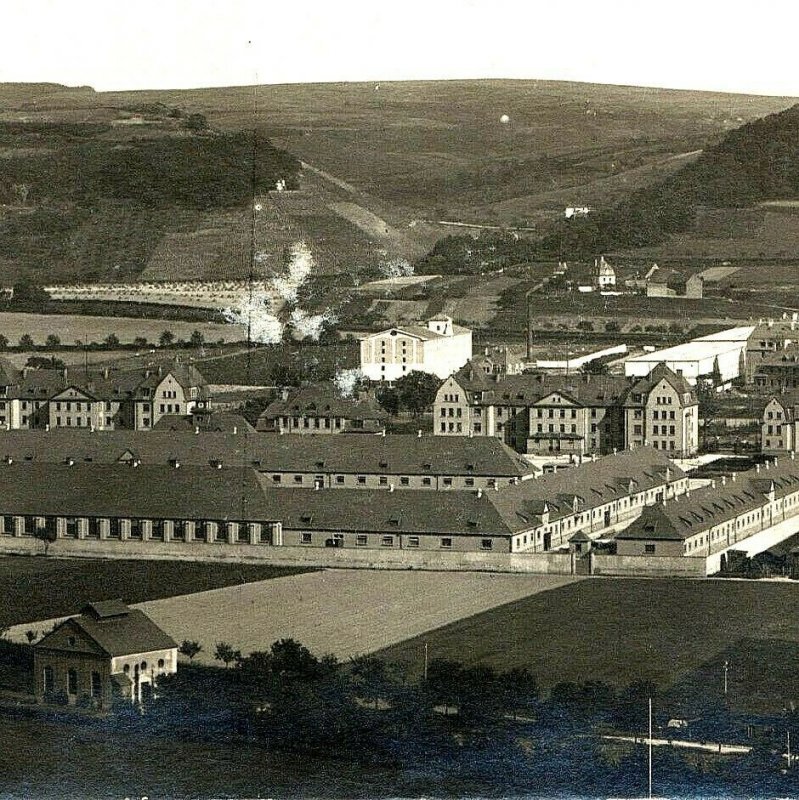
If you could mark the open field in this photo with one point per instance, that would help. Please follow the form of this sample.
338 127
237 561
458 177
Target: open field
35 588
619 630
344 612
71 328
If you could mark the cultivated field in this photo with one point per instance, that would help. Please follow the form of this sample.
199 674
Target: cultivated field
34 588
344 612
71 328
620 630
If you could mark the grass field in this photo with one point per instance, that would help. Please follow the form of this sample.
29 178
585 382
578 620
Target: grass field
72 327
37 588
620 630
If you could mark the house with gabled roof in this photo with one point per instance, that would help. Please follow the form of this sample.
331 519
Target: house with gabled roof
440 347
107 652
780 424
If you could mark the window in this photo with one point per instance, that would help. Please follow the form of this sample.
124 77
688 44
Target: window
361 480
361 540
404 480
298 479
468 481
426 482
649 548
160 663
387 541
97 685
277 478
339 479
413 541
49 680
447 482
446 542
486 544
72 681
71 641
305 538
383 480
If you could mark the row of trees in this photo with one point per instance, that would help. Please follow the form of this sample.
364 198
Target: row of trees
111 342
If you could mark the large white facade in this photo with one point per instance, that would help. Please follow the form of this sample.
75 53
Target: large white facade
699 357
439 348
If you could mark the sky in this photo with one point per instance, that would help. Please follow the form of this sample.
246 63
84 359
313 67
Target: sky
720 45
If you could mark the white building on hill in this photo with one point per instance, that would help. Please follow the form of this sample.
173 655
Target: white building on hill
439 348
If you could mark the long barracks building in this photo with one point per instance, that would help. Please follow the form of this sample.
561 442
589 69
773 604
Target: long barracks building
171 505
336 462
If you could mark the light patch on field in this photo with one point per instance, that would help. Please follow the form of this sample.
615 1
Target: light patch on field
717 273
344 612
73 327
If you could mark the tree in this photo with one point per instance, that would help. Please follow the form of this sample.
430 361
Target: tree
26 341
389 400
46 536
189 649
196 122
111 341
166 339
4 342
197 339
52 341
140 341
417 391
292 660
226 654
31 636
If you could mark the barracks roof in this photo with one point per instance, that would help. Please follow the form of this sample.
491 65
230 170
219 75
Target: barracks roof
702 509
393 454
120 490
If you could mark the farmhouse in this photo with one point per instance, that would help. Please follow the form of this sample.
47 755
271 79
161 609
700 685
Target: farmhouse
108 652
323 409
575 414
137 399
440 347
360 462
670 283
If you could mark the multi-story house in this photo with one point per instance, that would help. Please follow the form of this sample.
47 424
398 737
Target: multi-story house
768 340
322 409
778 372
780 424
440 348
662 410
137 399
568 414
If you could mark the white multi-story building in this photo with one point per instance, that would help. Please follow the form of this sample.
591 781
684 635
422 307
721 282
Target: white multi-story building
439 348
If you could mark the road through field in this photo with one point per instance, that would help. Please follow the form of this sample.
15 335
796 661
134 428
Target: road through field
344 612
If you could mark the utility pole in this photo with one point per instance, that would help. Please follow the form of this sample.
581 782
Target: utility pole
650 748
425 662
726 668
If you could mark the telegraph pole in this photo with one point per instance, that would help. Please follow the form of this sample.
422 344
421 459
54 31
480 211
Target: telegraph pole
726 668
425 662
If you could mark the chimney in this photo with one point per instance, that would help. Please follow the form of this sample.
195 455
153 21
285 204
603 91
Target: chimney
734 476
383 433
615 450
9 460
723 480
70 462
496 486
196 429
47 426
160 370
419 434
793 455
316 486
235 429
391 487
479 492
106 373
757 467
768 465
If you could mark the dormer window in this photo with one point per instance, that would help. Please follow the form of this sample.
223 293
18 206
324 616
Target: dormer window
72 641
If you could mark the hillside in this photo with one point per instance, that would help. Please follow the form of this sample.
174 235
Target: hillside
756 163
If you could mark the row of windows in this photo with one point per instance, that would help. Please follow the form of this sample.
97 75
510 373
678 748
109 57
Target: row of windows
662 414
362 540
665 430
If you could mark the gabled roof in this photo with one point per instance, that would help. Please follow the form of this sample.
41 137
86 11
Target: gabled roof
702 509
324 400
392 454
214 422
660 372
593 483
124 632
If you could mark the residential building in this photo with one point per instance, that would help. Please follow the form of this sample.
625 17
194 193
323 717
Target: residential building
778 372
603 275
780 424
108 652
662 410
322 409
768 340
567 414
440 347
57 398
335 462
671 283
